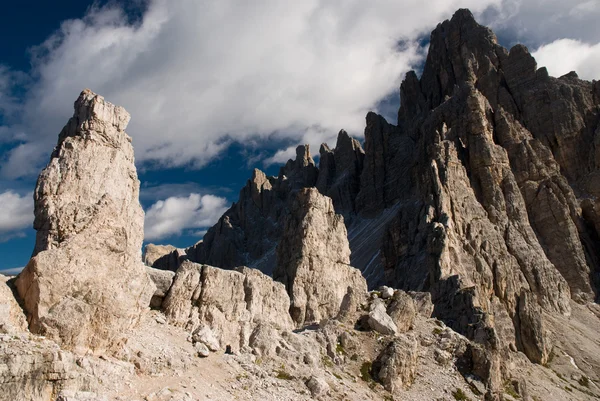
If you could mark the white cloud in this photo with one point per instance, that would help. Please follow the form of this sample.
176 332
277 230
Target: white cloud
197 75
565 55
16 213
537 22
173 215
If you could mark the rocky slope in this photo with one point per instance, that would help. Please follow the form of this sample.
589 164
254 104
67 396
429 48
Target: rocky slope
478 207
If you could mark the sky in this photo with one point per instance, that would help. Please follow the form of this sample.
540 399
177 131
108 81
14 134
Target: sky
216 89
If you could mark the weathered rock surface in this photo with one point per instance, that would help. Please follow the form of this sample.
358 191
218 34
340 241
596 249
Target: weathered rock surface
230 303
402 310
396 366
34 368
12 319
380 321
85 286
313 259
339 173
163 257
162 279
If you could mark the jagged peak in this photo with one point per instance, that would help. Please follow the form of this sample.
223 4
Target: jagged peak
90 105
324 149
303 157
345 141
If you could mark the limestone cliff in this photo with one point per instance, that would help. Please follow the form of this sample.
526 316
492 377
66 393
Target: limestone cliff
85 285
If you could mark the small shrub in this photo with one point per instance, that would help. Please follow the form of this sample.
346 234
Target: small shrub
365 372
339 348
326 361
283 375
584 381
460 395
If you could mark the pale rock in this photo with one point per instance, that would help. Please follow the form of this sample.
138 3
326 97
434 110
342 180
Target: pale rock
313 259
163 257
162 279
380 321
396 365
206 337
386 292
402 311
422 302
12 319
318 387
231 303
201 349
86 286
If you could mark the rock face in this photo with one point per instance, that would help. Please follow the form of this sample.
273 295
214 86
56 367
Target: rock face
162 279
229 303
12 318
85 285
163 257
396 366
339 173
313 259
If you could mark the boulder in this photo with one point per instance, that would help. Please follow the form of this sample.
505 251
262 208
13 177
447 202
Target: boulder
163 257
12 319
402 311
379 320
318 386
396 365
313 259
162 279
230 304
86 286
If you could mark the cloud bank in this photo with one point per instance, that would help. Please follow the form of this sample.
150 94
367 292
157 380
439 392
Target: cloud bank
173 215
565 55
16 214
198 75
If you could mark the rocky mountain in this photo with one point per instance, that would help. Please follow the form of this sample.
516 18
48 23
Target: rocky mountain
478 208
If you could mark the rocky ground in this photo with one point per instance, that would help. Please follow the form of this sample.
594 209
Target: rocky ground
488 228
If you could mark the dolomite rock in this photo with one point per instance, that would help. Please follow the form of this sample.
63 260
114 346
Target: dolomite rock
379 320
313 259
85 286
162 279
318 386
12 319
402 311
230 303
163 257
34 368
339 173
396 365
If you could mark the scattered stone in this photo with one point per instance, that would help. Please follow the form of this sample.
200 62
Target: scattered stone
318 386
201 349
380 321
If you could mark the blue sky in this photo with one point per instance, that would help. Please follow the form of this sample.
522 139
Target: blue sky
218 88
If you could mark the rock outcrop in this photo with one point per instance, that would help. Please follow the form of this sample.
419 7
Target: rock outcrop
313 259
163 257
226 304
12 319
162 279
85 285
396 366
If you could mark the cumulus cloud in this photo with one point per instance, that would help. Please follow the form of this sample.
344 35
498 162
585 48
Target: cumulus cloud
565 55
16 214
198 75
538 22
173 215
